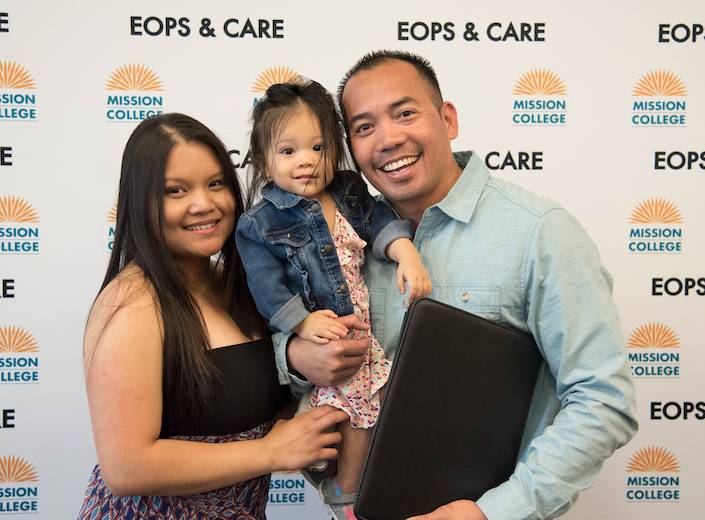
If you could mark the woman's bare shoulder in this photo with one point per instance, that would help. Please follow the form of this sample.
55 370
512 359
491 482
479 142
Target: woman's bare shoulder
129 290
127 301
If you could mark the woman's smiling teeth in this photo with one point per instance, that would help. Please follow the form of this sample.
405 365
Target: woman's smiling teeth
406 161
199 227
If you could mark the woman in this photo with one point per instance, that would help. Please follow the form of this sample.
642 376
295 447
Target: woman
178 363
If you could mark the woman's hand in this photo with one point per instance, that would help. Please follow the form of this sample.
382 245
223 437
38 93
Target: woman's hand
304 440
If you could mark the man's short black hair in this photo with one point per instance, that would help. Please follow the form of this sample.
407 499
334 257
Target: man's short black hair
373 59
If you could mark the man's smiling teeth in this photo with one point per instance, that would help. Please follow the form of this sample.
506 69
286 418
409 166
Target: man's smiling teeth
200 227
389 167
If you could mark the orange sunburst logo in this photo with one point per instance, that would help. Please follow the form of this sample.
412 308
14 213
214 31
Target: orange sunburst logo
540 82
134 77
274 75
16 209
660 83
653 335
15 339
112 214
15 469
656 211
652 459
14 75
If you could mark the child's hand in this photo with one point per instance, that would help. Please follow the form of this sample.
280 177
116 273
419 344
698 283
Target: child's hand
321 327
412 271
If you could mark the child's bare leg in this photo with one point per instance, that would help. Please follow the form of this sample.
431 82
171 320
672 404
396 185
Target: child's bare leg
351 457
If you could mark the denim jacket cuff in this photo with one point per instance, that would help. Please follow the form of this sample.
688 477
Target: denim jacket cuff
290 315
394 230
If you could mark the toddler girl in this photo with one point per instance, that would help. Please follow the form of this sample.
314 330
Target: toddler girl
303 247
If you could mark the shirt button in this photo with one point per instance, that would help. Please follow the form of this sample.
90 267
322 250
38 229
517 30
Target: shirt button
315 207
328 248
343 289
465 296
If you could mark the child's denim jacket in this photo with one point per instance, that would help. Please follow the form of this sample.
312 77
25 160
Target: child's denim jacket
291 262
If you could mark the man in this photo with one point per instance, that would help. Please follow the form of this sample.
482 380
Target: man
496 250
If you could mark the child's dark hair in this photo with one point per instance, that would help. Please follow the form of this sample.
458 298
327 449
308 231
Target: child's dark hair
271 114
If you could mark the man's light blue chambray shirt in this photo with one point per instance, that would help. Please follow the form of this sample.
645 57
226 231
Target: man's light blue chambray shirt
494 249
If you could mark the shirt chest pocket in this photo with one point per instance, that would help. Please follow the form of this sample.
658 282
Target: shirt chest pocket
291 242
480 300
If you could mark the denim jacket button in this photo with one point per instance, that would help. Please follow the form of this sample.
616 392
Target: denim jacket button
328 248
343 288
315 207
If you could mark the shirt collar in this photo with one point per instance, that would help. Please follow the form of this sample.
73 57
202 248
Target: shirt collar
462 199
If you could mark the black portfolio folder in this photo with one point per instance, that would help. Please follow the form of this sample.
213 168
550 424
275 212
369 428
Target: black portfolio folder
453 413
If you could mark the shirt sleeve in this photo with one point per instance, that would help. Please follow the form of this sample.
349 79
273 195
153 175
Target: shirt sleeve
298 386
572 316
266 278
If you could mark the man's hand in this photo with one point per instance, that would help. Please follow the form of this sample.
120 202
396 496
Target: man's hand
458 510
332 363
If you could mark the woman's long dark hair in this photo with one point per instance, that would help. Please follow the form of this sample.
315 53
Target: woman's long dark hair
139 238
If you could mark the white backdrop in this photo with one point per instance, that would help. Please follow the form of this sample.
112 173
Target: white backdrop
60 149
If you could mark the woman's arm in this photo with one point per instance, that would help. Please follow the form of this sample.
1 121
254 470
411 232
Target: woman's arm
124 385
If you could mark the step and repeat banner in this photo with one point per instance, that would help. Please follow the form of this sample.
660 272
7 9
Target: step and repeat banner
599 105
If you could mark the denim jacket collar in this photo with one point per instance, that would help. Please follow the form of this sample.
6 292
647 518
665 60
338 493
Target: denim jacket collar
344 193
280 198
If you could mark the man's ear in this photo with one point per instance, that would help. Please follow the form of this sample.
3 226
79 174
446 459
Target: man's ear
449 114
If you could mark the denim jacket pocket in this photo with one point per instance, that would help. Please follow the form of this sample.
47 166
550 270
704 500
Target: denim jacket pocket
294 240
480 300
294 236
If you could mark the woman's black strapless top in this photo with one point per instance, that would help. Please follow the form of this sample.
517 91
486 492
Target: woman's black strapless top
246 394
